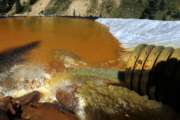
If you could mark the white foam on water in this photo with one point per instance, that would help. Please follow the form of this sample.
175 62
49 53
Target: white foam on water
25 78
131 32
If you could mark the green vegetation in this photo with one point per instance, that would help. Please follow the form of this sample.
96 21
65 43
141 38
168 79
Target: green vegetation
33 2
12 7
126 9
5 6
162 9
129 9
56 6
144 9
93 7
109 7
20 8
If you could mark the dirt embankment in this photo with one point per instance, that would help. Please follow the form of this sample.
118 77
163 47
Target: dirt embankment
149 9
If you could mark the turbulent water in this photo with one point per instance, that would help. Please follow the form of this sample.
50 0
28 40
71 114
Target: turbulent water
89 40
131 32
32 48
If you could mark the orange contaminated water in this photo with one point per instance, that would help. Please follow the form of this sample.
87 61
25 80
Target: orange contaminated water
87 38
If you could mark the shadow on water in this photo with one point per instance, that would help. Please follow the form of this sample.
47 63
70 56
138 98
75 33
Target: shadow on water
15 55
165 78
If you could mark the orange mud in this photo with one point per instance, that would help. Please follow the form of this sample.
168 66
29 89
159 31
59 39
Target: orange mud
45 111
88 39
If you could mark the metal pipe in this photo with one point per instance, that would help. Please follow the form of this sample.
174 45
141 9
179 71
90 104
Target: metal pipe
155 71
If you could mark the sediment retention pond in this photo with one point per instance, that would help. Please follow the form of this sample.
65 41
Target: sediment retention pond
87 38
34 49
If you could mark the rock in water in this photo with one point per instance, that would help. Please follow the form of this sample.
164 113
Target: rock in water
93 101
45 111
69 58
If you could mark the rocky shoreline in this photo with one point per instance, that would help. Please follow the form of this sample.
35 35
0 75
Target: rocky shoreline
142 9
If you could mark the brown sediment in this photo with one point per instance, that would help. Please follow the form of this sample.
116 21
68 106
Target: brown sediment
28 107
91 41
11 108
88 39
45 111
32 97
67 98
